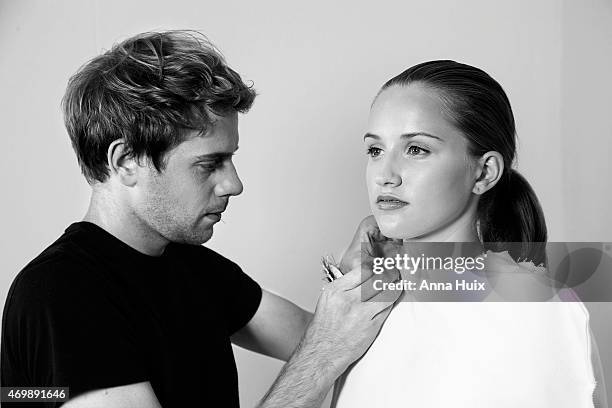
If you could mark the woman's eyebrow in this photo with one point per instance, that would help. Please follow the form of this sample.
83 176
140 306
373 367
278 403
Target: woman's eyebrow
404 136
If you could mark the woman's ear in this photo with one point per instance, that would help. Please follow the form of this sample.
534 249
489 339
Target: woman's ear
122 163
489 170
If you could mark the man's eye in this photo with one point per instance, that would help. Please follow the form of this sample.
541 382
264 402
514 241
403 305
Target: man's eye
211 166
373 151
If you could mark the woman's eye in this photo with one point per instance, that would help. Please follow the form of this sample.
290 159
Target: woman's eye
417 151
374 151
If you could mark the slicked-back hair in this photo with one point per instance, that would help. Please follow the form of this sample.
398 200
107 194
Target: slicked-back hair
149 90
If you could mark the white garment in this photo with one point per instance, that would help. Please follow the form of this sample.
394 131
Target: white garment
475 355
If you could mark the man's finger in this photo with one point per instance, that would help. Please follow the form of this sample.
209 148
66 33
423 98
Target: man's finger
379 283
381 314
335 271
350 280
367 228
387 296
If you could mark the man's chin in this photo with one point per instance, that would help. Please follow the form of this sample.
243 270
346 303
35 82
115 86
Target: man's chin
196 237
205 236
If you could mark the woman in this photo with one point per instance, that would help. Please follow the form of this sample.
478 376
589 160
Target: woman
441 142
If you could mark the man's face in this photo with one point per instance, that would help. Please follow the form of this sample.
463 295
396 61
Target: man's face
184 201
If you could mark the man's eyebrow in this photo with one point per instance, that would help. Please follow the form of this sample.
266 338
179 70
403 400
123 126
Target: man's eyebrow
214 156
404 136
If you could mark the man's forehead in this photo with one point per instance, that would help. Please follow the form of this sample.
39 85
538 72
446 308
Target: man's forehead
220 138
201 146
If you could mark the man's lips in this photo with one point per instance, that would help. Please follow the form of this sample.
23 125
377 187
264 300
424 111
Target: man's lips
215 213
216 210
214 216
390 202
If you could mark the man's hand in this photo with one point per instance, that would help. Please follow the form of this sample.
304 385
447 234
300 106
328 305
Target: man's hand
345 324
349 315
367 233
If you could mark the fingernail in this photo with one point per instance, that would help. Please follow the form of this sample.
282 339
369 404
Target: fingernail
335 271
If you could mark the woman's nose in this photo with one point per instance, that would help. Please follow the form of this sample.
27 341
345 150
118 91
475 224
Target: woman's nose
388 176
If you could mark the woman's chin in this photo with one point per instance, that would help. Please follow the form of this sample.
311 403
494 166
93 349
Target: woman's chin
391 229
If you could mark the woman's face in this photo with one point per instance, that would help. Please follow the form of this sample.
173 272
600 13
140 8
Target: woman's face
419 174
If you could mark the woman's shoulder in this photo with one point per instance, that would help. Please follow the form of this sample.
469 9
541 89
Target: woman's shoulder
523 280
503 262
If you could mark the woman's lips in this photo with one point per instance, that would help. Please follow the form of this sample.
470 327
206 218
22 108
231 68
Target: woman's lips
386 202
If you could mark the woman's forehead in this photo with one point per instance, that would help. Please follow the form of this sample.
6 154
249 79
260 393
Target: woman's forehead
414 108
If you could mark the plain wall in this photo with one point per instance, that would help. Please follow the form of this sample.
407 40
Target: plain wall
586 89
317 66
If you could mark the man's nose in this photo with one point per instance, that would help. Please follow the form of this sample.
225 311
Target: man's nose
388 176
230 184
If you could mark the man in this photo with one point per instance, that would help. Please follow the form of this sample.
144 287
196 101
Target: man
126 308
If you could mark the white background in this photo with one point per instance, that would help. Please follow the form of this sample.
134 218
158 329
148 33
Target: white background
317 66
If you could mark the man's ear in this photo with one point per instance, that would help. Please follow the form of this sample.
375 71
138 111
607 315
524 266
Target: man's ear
490 168
122 163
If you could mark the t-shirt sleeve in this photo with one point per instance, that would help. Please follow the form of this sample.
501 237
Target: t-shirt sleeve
242 294
248 293
62 329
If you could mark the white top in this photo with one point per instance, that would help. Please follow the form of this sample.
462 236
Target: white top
476 355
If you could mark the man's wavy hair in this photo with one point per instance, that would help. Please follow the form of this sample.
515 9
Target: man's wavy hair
149 90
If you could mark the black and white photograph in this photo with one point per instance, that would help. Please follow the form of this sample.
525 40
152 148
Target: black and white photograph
281 204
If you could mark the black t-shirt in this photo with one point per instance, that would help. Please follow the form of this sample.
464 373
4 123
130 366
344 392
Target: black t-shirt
91 312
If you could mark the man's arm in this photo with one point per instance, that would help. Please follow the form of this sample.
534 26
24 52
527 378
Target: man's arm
341 330
139 395
276 328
